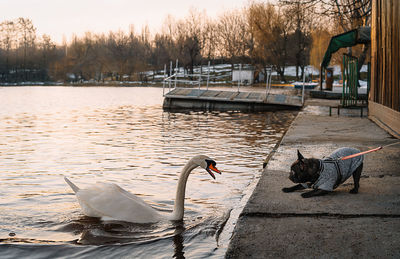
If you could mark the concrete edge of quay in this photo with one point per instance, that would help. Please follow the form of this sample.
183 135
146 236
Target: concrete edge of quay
274 224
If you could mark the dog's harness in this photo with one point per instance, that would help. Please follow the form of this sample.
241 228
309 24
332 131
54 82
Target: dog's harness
333 171
338 170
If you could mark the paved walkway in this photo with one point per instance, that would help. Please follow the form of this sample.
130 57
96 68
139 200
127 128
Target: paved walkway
274 224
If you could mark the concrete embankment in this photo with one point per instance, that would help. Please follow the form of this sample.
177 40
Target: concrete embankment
274 224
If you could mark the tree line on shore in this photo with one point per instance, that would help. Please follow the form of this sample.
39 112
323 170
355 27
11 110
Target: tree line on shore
261 34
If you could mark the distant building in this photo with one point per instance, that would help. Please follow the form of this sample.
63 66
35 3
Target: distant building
244 76
384 95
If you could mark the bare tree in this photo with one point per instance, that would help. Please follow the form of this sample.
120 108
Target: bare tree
27 37
320 40
8 42
351 14
142 53
304 21
271 30
117 46
188 38
348 14
210 39
163 47
233 36
47 51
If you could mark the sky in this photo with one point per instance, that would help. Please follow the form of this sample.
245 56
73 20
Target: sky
63 18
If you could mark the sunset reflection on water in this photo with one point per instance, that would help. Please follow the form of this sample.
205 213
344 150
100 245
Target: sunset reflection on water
120 135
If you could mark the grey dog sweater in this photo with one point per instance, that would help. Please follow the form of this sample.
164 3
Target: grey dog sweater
331 167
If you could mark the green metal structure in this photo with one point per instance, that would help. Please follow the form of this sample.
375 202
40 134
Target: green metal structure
361 35
350 81
351 38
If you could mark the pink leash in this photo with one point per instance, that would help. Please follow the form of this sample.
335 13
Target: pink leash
366 152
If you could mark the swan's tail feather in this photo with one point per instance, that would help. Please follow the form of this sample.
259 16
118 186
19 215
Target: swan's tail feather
73 186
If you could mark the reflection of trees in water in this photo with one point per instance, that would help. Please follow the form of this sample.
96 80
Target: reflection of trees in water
251 125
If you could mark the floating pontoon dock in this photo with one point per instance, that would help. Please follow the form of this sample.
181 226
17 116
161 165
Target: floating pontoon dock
223 100
201 99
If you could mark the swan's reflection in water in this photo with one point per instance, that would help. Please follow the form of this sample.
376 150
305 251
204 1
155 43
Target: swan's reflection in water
163 240
93 231
132 238
178 240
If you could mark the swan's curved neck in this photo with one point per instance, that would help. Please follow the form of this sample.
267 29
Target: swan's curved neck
179 203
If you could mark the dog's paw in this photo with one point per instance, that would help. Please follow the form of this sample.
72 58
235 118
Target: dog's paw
353 191
306 195
287 189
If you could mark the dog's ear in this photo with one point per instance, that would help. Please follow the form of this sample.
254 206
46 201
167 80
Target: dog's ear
300 157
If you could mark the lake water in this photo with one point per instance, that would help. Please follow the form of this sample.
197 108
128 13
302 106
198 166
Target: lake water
121 135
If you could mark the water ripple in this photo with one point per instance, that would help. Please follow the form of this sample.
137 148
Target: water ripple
120 135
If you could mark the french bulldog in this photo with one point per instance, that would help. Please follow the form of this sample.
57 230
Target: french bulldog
325 175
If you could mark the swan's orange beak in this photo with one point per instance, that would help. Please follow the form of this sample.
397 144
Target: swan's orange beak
211 168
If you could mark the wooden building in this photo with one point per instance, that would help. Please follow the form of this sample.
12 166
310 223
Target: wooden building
384 96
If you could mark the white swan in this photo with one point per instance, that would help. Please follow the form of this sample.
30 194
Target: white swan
111 202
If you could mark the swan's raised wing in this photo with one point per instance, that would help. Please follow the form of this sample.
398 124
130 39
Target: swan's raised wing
109 201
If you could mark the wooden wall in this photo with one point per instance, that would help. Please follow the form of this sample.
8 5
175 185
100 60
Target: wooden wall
385 59
385 54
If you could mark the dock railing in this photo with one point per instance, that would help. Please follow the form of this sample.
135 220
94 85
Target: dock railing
304 82
176 77
268 82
